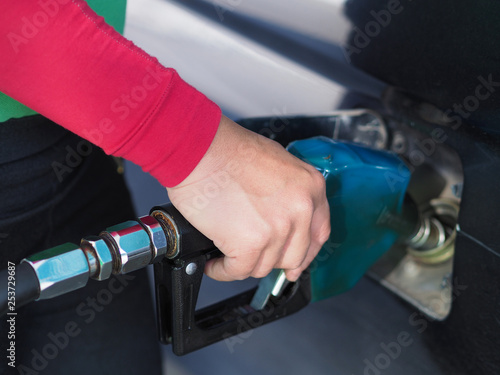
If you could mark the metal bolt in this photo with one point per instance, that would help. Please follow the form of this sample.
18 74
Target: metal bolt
191 268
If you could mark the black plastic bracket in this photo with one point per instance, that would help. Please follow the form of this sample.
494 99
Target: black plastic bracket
178 283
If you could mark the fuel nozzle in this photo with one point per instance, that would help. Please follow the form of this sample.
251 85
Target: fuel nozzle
433 240
428 232
370 211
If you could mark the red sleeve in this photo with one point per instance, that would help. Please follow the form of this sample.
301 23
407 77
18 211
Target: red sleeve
62 60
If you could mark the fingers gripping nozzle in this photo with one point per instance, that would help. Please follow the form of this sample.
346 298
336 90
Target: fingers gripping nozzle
120 249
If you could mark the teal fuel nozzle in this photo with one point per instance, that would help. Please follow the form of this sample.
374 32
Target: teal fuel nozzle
369 211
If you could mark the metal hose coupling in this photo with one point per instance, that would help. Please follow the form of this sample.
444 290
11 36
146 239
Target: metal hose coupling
120 249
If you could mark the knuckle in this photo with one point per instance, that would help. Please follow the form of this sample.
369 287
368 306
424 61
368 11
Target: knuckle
318 182
282 226
255 240
305 205
262 272
260 240
245 269
295 263
324 234
317 177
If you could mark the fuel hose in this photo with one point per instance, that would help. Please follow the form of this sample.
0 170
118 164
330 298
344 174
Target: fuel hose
20 289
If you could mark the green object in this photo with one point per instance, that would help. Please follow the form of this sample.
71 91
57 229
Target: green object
365 190
113 12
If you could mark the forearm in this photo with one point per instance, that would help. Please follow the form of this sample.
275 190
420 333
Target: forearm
73 68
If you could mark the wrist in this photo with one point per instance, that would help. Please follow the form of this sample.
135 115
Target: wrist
223 149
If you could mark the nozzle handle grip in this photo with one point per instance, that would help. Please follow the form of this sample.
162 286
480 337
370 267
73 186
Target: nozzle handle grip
178 281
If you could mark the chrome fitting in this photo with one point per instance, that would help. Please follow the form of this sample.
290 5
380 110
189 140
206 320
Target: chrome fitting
157 237
99 257
60 270
131 246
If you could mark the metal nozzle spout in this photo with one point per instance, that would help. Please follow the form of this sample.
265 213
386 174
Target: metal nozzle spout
434 239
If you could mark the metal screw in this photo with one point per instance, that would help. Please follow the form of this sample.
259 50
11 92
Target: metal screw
191 268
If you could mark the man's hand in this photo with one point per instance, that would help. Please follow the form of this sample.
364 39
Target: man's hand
262 207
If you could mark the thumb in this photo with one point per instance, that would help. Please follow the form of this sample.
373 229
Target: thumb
229 268
215 269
